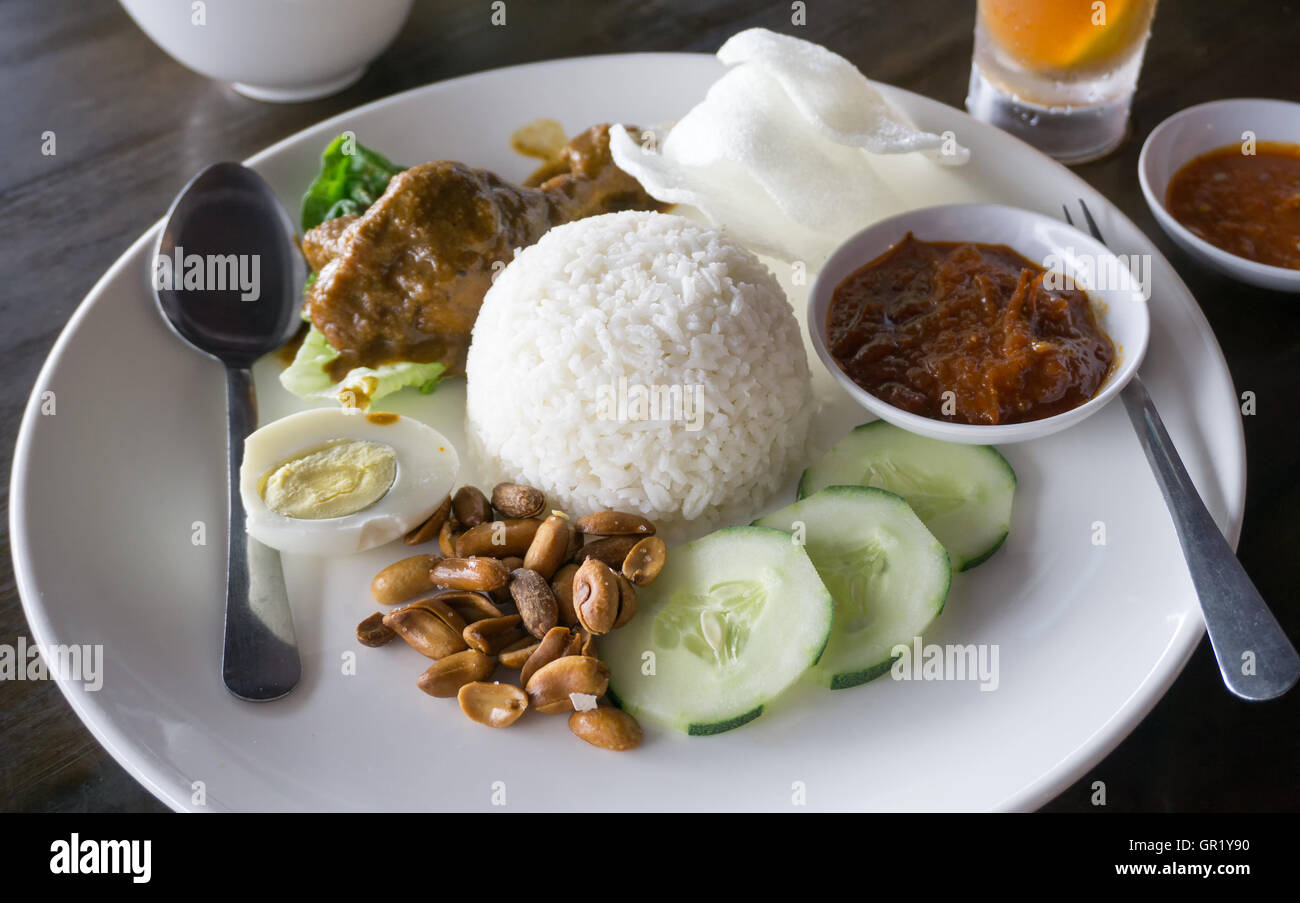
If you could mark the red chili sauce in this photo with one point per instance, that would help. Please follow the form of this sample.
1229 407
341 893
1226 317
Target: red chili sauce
973 320
1246 204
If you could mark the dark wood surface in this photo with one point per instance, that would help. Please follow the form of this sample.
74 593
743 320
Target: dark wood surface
132 126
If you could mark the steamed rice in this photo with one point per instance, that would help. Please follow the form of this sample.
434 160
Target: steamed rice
583 332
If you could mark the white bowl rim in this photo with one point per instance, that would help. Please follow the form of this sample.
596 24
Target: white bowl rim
1168 222
970 433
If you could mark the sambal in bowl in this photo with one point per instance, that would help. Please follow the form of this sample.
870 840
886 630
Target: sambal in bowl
979 323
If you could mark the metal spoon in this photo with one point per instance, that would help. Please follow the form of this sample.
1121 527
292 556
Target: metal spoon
1256 660
228 279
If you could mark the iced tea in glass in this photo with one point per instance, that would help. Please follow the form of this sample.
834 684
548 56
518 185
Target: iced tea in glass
1059 73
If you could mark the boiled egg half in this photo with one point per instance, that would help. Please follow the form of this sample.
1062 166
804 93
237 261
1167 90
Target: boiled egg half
334 481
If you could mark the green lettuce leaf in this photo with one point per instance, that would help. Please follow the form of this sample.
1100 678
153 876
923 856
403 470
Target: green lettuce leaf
351 178
306 377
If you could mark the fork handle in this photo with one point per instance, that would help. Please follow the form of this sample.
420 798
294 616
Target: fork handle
1255 657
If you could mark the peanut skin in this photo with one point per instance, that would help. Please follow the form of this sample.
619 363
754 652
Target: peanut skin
403 580
606 727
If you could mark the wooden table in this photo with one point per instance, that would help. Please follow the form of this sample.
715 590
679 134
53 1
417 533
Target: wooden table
132 126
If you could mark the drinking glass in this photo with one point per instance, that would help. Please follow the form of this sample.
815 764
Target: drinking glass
1059 74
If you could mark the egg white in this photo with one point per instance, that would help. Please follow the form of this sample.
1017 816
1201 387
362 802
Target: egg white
426 472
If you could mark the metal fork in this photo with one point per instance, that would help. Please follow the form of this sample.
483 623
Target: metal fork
1255 657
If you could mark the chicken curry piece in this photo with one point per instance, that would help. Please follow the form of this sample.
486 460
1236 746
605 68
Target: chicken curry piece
404 281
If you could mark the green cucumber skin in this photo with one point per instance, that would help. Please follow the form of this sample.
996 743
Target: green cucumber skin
826 642
701 729
947 587
857 678
801 493
980 559
720 727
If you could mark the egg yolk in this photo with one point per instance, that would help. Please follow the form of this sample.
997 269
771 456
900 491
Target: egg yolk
332 480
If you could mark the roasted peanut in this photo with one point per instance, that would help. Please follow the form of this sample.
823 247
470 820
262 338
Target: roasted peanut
516 655
424 630
441 607
469 605
612 550
626 601
518 500
446 676
502 596
606 727
493 704
497 539
535 601
403 580
614 523
645 560
576 540
550 546
552 646
549 690
431 526
372 632
447 537
595 596
471 506
491 635
578 640
562 586
479 574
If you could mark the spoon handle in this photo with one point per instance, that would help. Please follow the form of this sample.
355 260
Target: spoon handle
1255 657
260 661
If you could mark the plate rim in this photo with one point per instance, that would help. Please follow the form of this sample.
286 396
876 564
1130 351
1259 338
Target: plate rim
1031 796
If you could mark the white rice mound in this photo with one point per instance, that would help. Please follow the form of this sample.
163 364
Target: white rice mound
601 306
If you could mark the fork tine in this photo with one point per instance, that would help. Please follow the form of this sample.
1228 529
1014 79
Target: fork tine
1092 223
1066 210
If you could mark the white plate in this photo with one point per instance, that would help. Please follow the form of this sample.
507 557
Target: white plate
106 492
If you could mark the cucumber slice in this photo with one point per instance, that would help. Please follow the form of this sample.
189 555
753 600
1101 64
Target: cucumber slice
888 574
962 493
733 620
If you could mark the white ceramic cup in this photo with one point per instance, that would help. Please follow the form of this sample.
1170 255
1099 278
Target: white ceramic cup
1206 127
281 51
1119 302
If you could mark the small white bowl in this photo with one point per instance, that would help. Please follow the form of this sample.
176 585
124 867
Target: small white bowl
280 51
1202 128
1121 308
